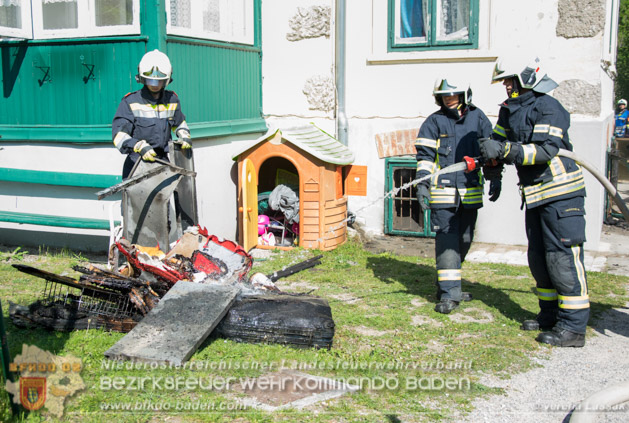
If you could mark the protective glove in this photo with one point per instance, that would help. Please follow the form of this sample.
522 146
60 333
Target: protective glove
491 149
493 172
184 139
423 196
495 187
145 150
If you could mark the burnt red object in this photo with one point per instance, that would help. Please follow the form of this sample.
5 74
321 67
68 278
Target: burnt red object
169 275
212 266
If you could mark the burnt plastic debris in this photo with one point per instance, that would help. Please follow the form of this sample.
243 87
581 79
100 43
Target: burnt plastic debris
66 316
295 320
118 300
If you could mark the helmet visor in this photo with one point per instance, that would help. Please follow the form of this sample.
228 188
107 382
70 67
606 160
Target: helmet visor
154 73
442 87
500 74
154 82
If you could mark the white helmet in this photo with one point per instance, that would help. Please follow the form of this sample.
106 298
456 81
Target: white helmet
531 75
443 87
154 66
622 101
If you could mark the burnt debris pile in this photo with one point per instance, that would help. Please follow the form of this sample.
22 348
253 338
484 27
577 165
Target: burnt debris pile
118 300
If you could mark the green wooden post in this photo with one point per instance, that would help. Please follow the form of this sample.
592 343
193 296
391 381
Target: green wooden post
153 24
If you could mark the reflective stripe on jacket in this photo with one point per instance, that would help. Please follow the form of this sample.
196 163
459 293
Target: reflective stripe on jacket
140 117
444 138
536 127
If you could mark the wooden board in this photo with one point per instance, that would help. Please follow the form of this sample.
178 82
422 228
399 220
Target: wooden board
249 207
173 330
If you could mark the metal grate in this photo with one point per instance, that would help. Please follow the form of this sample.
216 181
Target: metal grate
403 216
407 215
112 304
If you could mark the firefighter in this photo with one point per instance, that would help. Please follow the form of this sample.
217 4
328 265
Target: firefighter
532 126
145 118
444 138
622 114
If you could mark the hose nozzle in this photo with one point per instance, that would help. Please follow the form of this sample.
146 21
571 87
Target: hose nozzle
472 163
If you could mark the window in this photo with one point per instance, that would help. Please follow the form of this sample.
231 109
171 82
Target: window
15 19
436 24
402 213
68 18
222 20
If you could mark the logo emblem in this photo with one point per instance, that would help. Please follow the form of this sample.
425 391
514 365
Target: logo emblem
33 392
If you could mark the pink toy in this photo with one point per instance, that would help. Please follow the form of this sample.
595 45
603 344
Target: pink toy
263 223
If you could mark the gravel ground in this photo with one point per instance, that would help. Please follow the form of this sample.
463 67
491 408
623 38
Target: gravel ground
548 393
567 376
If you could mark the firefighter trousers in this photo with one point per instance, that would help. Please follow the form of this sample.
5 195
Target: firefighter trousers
556 233
454 228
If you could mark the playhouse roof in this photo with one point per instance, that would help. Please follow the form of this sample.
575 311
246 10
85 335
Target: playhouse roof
312 140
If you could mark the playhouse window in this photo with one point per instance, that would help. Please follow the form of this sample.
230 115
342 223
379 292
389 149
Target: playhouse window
222 20
68 18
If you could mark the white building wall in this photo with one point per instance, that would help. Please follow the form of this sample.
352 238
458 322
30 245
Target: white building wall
392 91
216 184
384 92
56 200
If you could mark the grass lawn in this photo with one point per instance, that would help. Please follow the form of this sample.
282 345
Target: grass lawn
411 363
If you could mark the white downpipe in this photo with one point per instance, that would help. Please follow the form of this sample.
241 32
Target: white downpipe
339 67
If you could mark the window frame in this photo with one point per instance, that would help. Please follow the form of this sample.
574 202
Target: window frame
431 42
26 31
86 19
195 32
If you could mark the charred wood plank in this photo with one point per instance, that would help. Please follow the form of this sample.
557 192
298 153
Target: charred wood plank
290 270
90 291
138 300
146 175
115 284
117 281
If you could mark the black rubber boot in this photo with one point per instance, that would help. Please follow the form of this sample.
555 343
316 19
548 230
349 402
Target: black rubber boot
530 325
543 321
466 296
439 291
446 306
559 337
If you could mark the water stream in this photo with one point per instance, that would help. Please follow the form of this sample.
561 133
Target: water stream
456 167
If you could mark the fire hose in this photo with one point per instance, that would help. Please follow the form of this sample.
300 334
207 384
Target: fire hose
588 409
605 400
608 186
472 163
